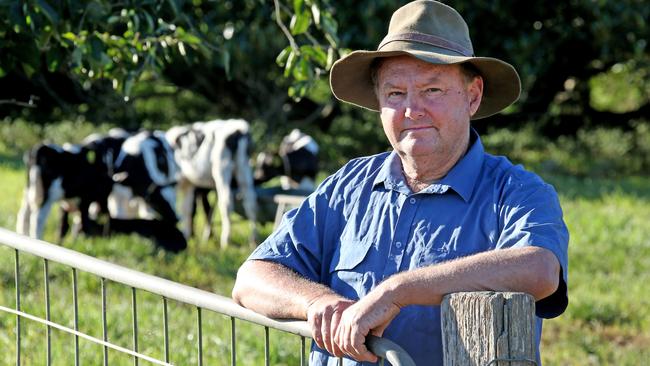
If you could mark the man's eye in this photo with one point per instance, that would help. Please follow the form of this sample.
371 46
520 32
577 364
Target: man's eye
432 90
395 93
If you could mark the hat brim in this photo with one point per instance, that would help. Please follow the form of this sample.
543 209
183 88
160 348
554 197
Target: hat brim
351 82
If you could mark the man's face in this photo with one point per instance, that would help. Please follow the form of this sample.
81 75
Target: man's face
426 108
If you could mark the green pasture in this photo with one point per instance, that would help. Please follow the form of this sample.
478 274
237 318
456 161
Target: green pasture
607 322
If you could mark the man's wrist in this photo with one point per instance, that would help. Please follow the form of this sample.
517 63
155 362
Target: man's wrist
392 290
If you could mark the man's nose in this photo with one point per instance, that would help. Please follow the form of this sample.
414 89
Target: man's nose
414 108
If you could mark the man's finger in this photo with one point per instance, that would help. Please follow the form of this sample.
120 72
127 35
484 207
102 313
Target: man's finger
357 347
334 324
315 325
325 330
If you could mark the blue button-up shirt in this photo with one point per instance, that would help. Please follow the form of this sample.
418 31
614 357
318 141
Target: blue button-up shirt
363 224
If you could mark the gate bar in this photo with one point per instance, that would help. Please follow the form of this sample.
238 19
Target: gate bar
48 330
181 293
75 311
17 275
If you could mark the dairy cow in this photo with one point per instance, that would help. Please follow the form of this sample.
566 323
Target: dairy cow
110 172
213 155
298 164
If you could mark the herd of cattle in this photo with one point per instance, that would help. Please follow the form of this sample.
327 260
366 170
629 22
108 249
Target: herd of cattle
124 182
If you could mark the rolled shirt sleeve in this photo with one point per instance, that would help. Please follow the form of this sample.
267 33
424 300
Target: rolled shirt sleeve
530 215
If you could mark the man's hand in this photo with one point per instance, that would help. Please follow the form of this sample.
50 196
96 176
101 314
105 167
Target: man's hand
371 314
323 316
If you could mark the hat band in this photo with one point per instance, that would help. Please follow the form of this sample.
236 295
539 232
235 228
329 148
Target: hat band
427 39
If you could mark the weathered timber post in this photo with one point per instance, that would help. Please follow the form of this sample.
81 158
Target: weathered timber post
488 329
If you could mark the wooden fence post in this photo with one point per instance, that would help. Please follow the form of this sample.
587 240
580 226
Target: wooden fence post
488 329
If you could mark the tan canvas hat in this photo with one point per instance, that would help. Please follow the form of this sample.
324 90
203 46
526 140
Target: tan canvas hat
435 33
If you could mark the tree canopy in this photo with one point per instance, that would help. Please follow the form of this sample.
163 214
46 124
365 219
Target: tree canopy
129 61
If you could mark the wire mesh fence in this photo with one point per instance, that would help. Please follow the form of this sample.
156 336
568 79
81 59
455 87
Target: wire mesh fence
105 314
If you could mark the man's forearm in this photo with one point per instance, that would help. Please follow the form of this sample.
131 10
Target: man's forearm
276 291
532 270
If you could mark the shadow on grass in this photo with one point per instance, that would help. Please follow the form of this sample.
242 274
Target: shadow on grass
12 161
594 188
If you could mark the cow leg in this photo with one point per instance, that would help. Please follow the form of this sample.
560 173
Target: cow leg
208 210
39 214
22 221
187 212
87 226
64 225
192 214
222 174
244 177
38 218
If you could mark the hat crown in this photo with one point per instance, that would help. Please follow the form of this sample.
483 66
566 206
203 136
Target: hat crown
430 22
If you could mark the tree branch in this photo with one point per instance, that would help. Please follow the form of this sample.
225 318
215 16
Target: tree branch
284 28
28 104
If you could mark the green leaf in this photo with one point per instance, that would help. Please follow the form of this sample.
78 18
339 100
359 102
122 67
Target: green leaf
16 15
76 57
300 23
136 22
97 48
128 84
97 11
298 90
315 12
291 61
149 20
225 59
28 69
303 70
69 35
2 72
174 7
331 54
282 57
298 6
330 28
53 59
188 38
315 53
49 12
113 19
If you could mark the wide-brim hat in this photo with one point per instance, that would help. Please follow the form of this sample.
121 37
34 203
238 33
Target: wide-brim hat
434 33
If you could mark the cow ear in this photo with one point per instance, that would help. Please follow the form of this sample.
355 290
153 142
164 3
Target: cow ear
120 177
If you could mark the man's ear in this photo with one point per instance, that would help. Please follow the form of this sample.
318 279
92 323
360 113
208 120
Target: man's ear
475 94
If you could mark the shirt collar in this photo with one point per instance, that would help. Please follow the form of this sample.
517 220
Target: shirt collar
461 178
391 176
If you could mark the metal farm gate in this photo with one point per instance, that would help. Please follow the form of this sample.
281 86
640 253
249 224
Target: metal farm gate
136 282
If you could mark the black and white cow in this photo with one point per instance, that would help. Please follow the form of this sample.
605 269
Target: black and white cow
298 164
55 173
213 155
145 176
126 169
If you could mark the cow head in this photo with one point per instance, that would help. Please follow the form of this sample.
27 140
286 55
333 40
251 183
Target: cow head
146 166
267 166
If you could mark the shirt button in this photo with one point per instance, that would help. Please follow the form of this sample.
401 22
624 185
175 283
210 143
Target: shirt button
398 244
412 200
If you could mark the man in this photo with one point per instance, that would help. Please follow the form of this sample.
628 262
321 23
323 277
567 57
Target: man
380 242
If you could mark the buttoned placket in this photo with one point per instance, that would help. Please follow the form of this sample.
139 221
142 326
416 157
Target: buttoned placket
406 214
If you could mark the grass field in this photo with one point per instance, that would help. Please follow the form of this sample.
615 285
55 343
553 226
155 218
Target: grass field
607 322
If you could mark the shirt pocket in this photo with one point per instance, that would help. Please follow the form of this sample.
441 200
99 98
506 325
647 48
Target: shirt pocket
349 254
349 269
